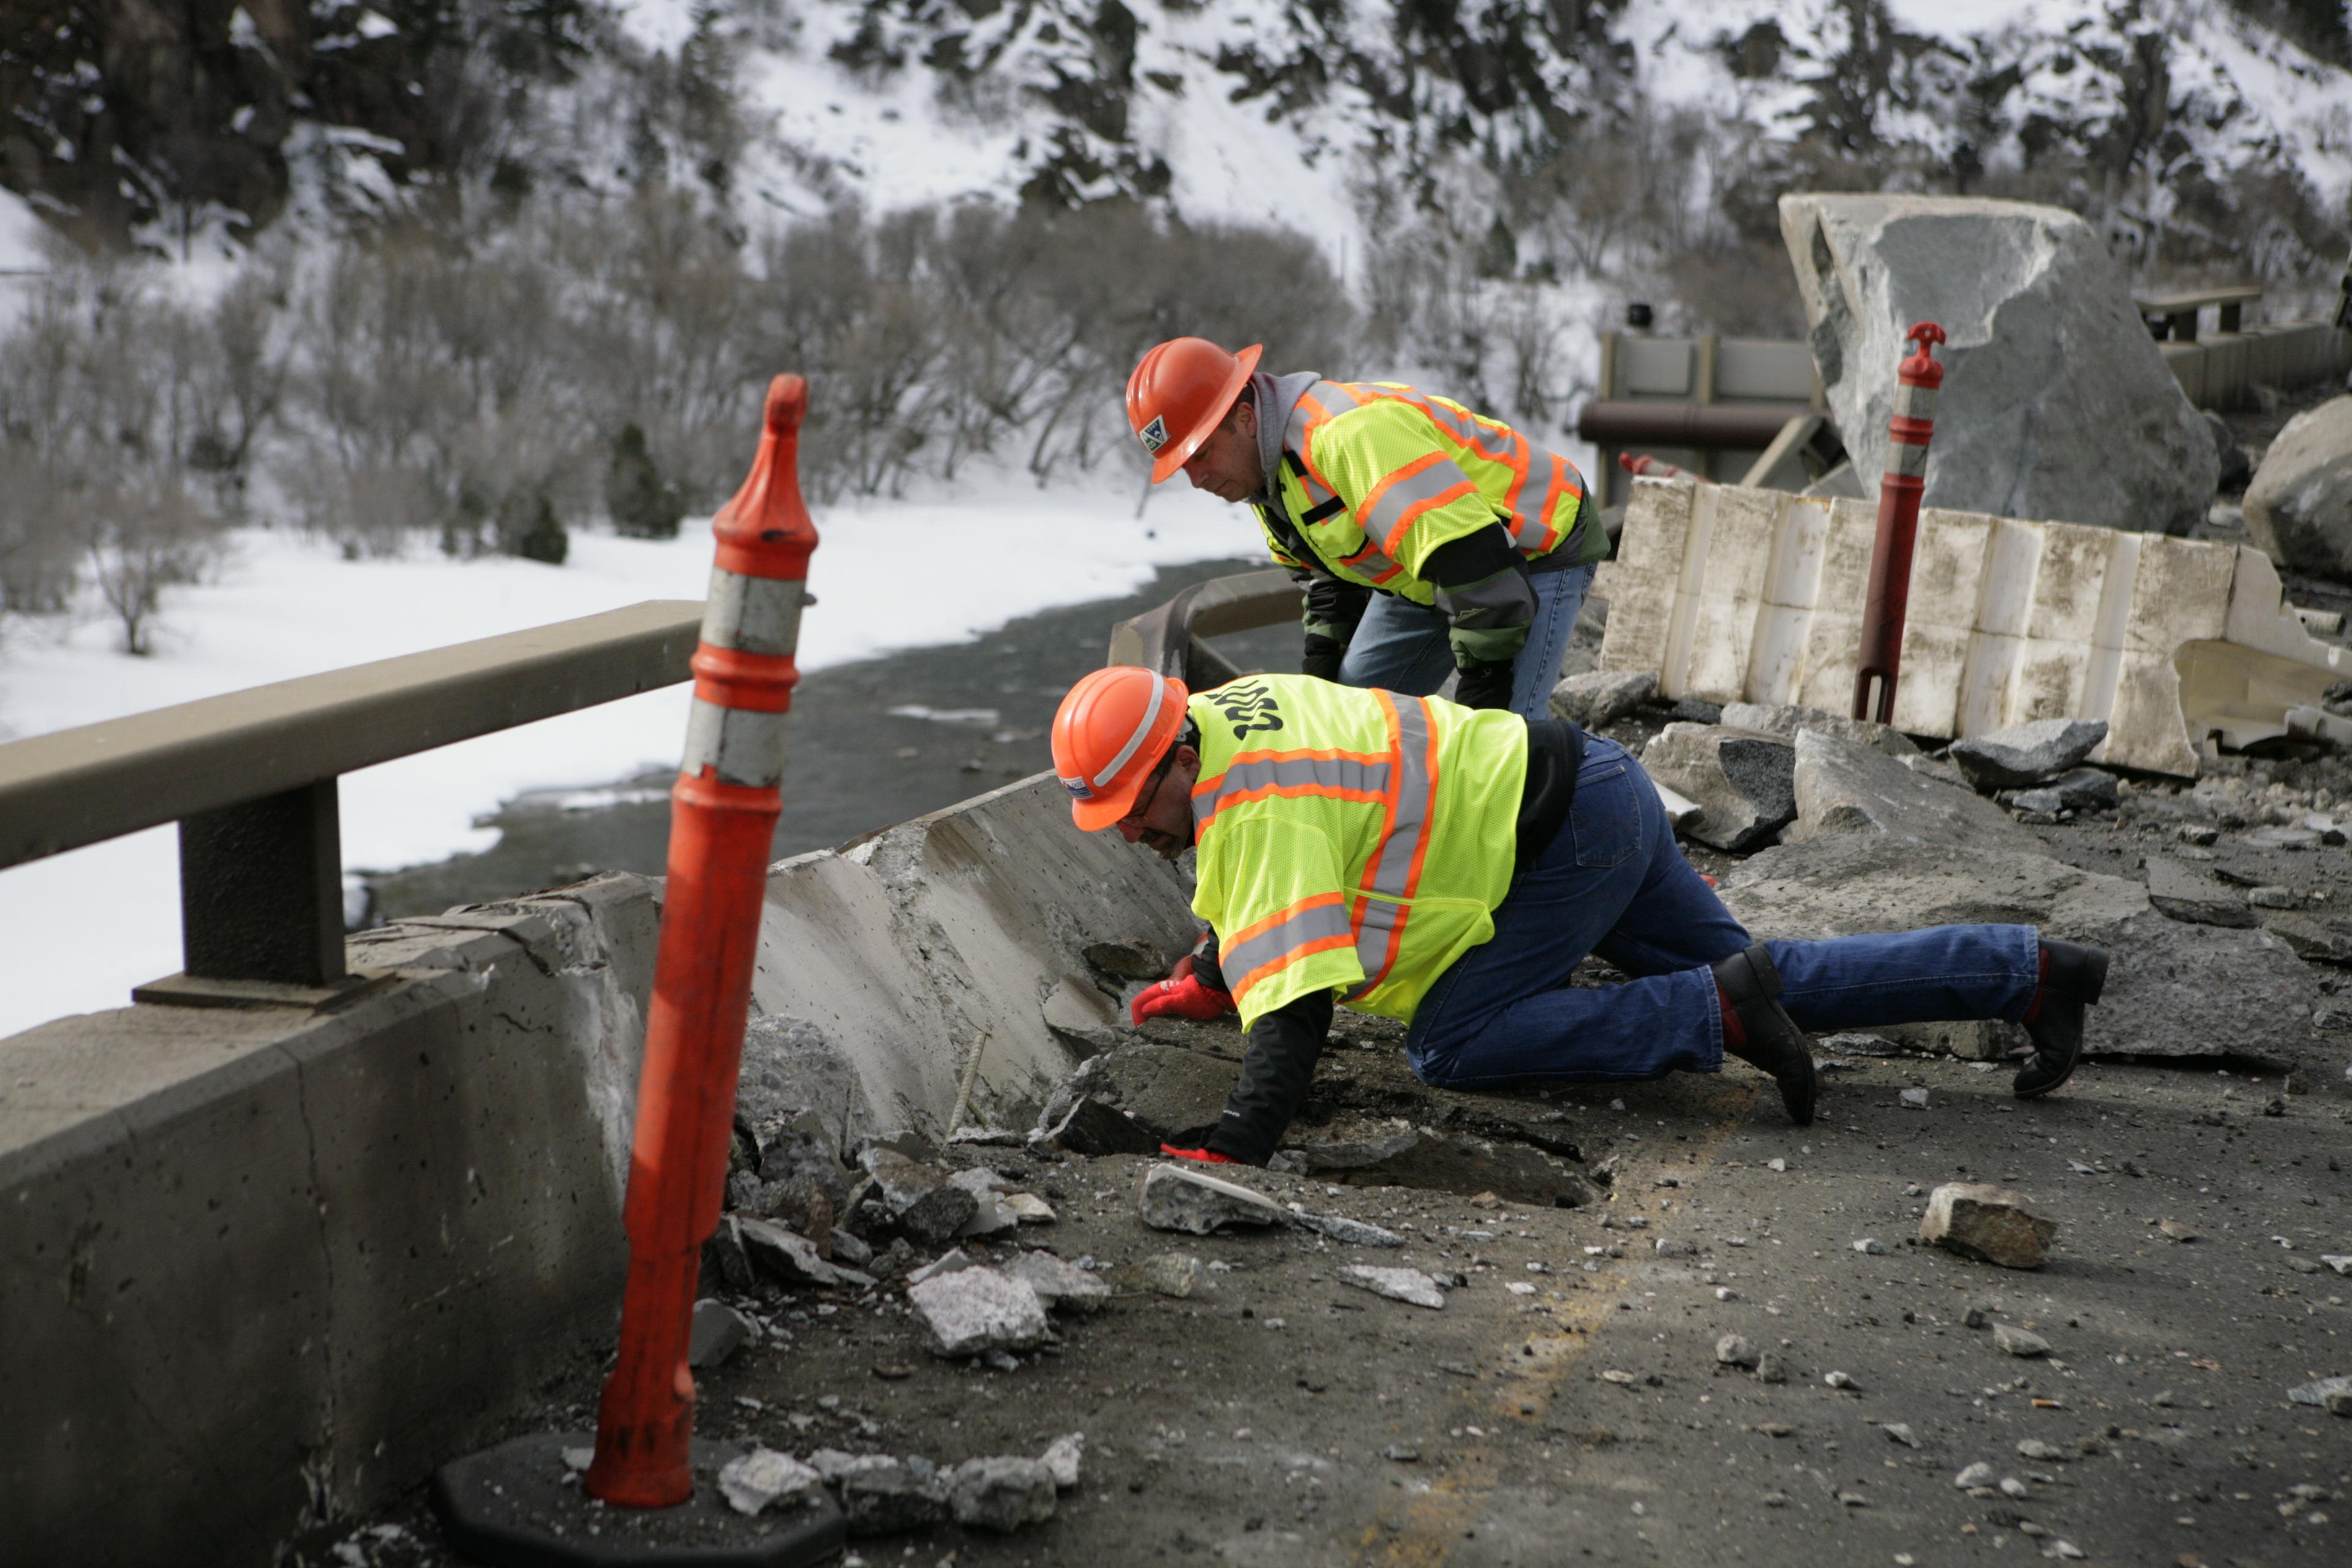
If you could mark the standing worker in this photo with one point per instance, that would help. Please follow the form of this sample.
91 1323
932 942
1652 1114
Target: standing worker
1430 539
1418 860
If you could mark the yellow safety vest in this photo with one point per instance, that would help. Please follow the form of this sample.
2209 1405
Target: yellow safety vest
1376 475
1350 840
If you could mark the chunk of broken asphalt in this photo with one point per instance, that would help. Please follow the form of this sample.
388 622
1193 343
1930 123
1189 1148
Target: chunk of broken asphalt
1093 1129
1410 1286
719 1331
2018 1342
974 1311
2023 755
1001 1493
1173 1198
919 1199
764 1478
1348 1232
883 1496
790 1258
1976 1220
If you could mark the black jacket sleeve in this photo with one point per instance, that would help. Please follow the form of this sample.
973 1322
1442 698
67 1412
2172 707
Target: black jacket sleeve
1489 602
1333 608
1276 1072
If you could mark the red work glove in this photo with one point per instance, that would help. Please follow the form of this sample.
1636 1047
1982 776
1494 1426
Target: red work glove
1206 1156
1182 994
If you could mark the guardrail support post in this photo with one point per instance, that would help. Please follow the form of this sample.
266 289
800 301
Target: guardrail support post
261 889
1889 595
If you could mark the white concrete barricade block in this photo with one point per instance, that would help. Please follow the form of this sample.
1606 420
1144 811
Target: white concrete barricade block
1736 594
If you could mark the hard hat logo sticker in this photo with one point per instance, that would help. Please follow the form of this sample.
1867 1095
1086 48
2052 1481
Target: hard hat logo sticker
1154 436
1079 788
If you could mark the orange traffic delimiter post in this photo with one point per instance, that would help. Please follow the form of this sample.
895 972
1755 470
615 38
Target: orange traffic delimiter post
722 818
1912 426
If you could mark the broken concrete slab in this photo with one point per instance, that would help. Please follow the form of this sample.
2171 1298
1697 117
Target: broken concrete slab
763 1479
1742 781
1785 718
1173 1093
1753 595
1601 696
921 1200
1410 1286
1081 1017
885 1496
791 1258
2020 756
2315 939
1001 1493
2076 789
2071 411
719 1331
1419 1158
975 1311
1841 787
1137 958
1061 1286
991 1215
2298 505
1087 1126
1977 1219
2193 894
1346 1231
2172 989
1172 1198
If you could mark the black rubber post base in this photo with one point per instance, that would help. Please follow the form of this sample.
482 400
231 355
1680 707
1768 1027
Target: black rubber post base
519 1505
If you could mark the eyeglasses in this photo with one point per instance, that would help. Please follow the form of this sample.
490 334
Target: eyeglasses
1151 790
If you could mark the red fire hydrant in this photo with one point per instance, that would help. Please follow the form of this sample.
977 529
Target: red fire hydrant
722 820
1911 429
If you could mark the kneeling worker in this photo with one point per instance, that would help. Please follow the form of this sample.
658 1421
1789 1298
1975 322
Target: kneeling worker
1431 539
1449 868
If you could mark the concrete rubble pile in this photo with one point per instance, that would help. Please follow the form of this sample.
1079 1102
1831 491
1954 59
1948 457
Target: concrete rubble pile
882 1494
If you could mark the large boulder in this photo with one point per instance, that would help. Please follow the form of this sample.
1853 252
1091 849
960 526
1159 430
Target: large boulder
1742 781
2299 507
2056 403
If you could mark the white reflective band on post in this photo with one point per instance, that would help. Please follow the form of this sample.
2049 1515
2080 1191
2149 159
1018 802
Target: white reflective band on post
752 615
1910 460
1914 402
1159 695
741 747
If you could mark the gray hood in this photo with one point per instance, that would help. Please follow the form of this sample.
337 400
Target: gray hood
1276 396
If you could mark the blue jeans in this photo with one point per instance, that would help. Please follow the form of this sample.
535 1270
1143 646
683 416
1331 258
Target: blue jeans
1400 645
1613 882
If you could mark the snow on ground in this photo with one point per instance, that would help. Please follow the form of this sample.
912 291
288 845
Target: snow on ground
80 928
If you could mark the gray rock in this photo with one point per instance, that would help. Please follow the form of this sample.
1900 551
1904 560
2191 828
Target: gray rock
2076 789
726 1256
1410 1286
1062 1457
2298 507
1176 1274
1844 788
1174 1198
751 1483
1979 1474
2191 894
2049 1453
1601 696
1900 1432
2332 1394
2056 404
1091 1128
948 1262
2272 898
2018 1341
850 1249
921 1202
1135 959
1001 1494
1743 783
883 1496
1430 1161
2235 467
1346 1231
1169 1088
1976 1220
789 1066
1061 1286
1736 1350
719 1331
791 1258
2172 989
2025 755
1786 719
2321 939
975 1311
1772 1367
1081 1017
989 1214
1913 1099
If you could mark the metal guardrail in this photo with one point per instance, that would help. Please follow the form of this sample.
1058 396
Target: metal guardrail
1168 640
250 777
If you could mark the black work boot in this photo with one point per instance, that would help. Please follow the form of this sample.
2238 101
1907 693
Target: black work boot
1752 986
2071 981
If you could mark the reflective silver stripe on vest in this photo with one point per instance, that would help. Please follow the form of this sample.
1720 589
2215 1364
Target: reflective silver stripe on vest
1441 480
1393 870
1298 773
1320 923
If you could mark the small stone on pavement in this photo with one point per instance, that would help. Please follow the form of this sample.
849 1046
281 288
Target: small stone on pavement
976 1310
1734 1349
2018 1342
1001 1493
762 1478
1410 1286
1173 1198
1976 1220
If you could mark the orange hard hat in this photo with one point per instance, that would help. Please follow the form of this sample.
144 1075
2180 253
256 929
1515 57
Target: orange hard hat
1110 733
1177 393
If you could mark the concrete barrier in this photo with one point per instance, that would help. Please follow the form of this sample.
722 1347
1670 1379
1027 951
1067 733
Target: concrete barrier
261 1267
1734 594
